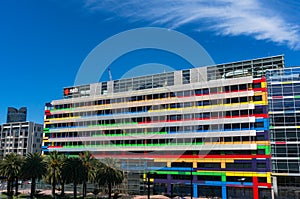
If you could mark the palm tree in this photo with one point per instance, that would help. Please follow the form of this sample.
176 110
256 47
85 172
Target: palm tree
34 168
73 171
54 164
11 167
63 160
87 161
109 174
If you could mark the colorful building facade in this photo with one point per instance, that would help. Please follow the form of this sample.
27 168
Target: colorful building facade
202 131
284 113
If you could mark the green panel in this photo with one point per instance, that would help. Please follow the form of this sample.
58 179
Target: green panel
268 150
223 178
261 146
63 109
128 134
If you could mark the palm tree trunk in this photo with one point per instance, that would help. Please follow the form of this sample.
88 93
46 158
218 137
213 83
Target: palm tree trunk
8 188
17 186
53 185
62 193
84 189
12 188
32 192
75 190
109 190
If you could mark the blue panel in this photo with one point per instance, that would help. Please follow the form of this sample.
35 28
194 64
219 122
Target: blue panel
195 192
224 192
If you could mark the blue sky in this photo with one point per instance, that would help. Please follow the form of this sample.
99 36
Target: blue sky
43 43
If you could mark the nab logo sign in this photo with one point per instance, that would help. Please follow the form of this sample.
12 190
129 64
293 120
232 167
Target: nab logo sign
69 91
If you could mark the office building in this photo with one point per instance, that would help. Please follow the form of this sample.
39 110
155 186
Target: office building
284 113
15 115
21 138
201 131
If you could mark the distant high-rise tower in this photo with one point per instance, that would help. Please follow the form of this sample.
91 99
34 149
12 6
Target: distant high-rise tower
15 115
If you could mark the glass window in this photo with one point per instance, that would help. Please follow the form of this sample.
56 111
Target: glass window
261 165
257 98
288 90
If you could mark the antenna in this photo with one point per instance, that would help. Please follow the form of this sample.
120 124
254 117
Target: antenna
109 73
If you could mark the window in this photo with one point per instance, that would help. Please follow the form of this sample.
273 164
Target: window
257 85
186 76
261 165
262 179
209 165
259 124
257 98
243 87
239 165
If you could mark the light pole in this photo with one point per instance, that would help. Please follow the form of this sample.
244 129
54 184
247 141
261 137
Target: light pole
148 184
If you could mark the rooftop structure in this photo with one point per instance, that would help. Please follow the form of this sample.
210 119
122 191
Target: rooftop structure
16 115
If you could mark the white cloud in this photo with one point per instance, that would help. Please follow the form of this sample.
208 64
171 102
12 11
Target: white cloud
225 17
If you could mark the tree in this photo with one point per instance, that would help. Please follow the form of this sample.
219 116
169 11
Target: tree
63 160
109 174
87 162
34 168
11 167
54 167
73 171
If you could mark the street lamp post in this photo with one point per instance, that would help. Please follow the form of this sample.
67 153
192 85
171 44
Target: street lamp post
148 184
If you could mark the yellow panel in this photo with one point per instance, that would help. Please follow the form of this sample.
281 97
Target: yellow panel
261 102
264 97
247 174
195 165
286 82
168 164
263 142
223 165
269 178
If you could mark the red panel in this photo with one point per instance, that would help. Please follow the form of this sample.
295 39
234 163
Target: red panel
255 188
54 147
263 79
260 89
280 142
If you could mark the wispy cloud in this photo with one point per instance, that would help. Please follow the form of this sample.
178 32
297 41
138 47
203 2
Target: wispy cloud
224 17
